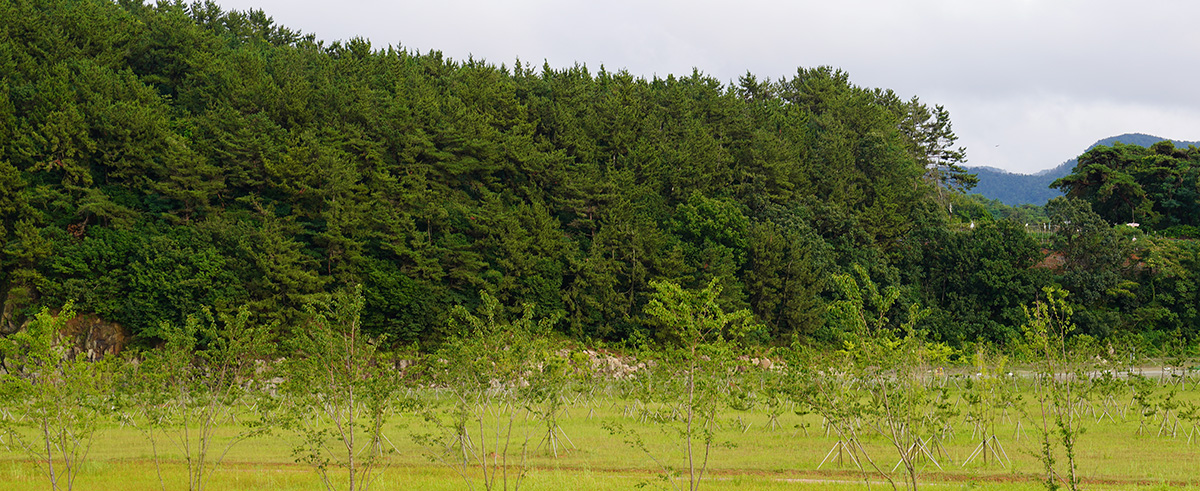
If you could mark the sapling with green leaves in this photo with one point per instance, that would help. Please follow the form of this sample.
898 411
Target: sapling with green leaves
890 363
700 348
498 374
654 400
590 384
546 397
649 391
824 382
772 390
1062 366
1169 407
834 384
988 395
340 391
1154 405
56 398
943 410
143 402
1144 398
1106 387
1175 359
186 391
1189 412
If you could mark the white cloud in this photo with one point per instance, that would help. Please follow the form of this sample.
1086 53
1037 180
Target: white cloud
1031 133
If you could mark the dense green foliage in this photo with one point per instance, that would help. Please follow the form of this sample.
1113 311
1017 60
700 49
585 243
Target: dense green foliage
1019 189
1155 187
1034 189
158 160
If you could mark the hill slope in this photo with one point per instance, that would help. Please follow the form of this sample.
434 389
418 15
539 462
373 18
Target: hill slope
1017 189
158 160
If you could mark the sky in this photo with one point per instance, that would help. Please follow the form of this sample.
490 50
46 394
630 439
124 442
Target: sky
1029 84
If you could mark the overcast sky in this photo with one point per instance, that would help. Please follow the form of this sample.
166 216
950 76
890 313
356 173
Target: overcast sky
1029 83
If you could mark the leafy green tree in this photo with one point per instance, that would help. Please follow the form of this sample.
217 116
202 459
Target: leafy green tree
1096 263
714 236
784 277
890 362
340 391
1168 294
1170 175
702 339
399 307
11 208
1154 186
1061 382
145 277
186 390
142 128
57 398
1103 178
496 371
282 277
977 281
931 141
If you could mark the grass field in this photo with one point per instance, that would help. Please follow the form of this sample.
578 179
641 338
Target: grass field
1111 456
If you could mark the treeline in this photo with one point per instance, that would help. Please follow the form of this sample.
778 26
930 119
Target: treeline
156 160
1154 186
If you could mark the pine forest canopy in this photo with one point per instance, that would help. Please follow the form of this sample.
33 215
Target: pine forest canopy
158 159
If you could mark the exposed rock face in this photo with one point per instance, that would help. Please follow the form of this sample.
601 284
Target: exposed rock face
15 299
7 323
10 322
97 337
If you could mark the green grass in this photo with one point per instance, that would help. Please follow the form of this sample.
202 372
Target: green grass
1111 456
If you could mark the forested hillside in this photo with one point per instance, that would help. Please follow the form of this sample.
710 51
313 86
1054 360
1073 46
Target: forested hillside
157 160
1018 189
1154 186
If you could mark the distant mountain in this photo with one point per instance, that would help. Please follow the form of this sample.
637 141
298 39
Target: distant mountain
1017 189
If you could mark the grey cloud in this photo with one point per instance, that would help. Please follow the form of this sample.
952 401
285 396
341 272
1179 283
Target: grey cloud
1000 66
